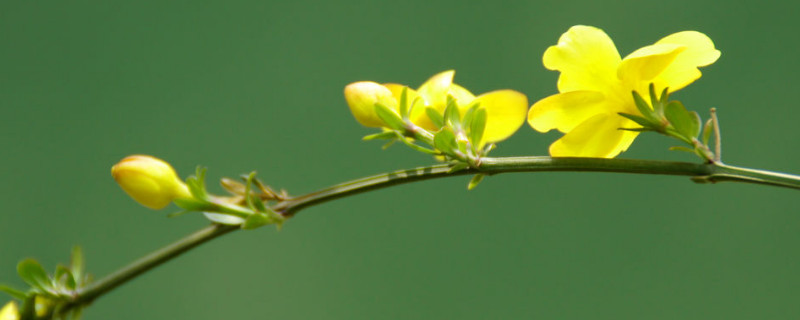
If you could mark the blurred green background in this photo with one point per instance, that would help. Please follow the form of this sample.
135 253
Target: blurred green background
257 85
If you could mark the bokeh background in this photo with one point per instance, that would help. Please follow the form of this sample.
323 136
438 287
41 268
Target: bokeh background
257 85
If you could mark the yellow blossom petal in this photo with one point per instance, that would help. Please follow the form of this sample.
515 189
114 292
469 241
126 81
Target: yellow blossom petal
362 96
598 137
586 57
435 90
699 52
9 311
150 181
639 68
505 113
564 111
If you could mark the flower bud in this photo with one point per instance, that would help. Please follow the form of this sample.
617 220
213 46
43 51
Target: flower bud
150 181
362 97
9 311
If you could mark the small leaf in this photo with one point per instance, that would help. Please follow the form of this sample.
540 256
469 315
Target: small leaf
435 117
644 108
256 220
708 129
681 148
225 219
404 103
445 141
466 120
686 123
197 184
380 136
452 117
477 127
258 204
639 120
389 117
409 142
636 129
64 278
77 265
232 186
33 274
17 294
189 205
476 179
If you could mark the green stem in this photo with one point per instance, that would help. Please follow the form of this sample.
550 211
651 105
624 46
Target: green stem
706 173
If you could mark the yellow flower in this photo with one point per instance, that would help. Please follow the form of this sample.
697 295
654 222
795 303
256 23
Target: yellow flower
150 181
595 85
505 109
9 311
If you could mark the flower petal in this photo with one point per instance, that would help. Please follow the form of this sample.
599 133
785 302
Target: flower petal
586 57
639 68
362 96
699 52
434 91
415 102
598 136
564 111
505 113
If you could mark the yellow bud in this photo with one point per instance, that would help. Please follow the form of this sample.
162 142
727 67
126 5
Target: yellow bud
150 181
362 97
9 311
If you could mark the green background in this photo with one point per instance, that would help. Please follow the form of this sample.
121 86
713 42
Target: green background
257 85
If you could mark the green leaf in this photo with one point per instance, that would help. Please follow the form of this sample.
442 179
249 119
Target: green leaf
387 135
445 141
466 120
197 184
78 265
644 108
435 117
404 103
686 123
389 117
452 117
33 274
708 129
223 218
681 148
645 123
476 179
477 127
256 220
17 294
409 142
189 205
64 277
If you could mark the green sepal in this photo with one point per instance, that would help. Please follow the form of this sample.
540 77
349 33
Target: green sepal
389 117
445 141
190 205
681 148
435 117
476 179
662 101
63 276
466 120
708 129
452 118
380 136
17 294
644 108
636 129
645 123
408 142
477 126
78 265
33 274
256 220
685 123
197 184
404 103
